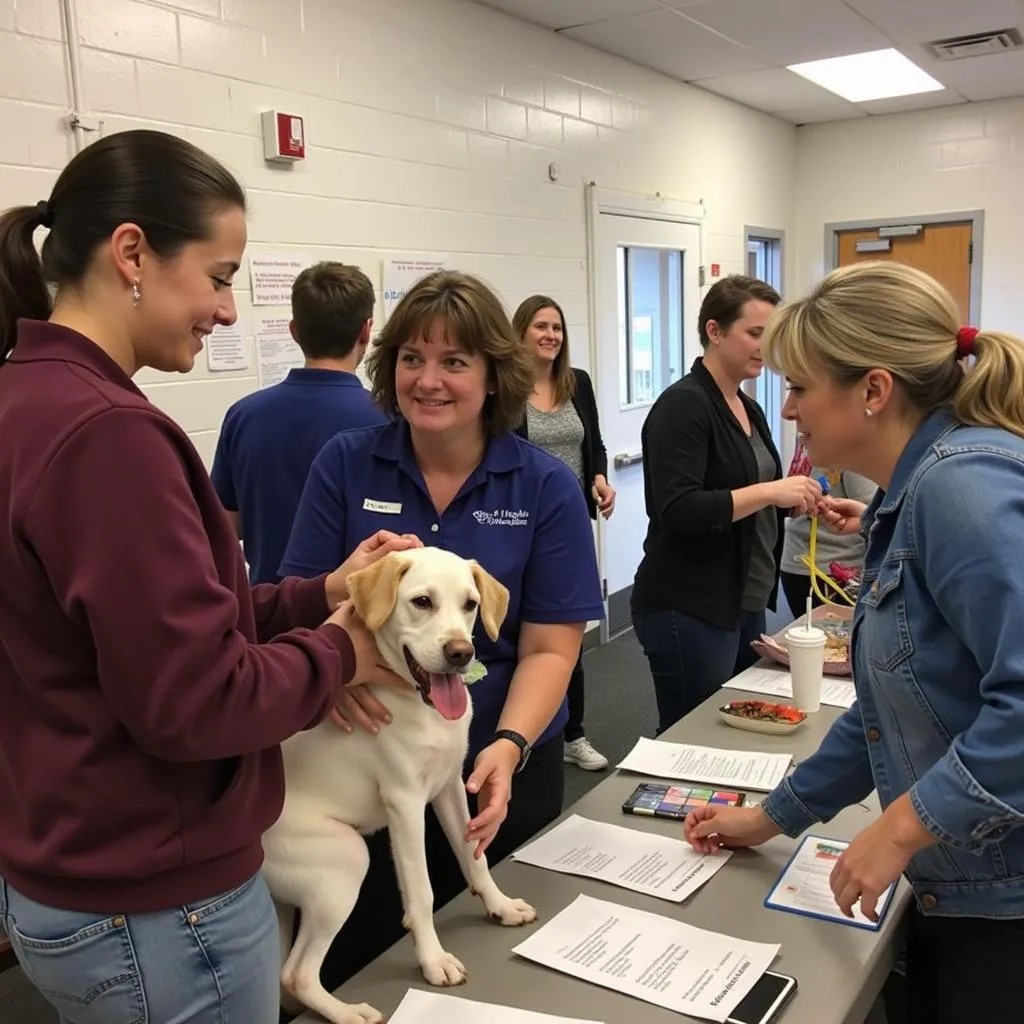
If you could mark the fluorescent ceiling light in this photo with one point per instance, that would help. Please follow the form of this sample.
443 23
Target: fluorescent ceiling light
860 77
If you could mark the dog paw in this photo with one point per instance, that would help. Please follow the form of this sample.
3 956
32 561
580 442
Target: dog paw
513 913
443 970
369 1014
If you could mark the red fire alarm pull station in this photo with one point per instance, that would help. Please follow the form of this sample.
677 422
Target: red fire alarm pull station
716 270
284 137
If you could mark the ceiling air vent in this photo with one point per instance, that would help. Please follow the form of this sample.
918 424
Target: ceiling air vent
980 44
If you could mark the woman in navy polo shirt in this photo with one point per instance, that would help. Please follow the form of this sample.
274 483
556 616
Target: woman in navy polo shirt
453 376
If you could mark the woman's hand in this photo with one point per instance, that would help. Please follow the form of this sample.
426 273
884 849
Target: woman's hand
382 543
355 703
604 496
715 827
492 782
877 858
799 493
841 515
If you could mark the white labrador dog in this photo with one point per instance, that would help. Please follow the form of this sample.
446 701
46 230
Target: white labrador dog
421 605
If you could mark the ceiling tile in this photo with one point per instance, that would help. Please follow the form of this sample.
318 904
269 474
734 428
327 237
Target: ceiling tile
914 22
840 111
563 13
972 72
922 101
668 42
790 31
993 90
771 89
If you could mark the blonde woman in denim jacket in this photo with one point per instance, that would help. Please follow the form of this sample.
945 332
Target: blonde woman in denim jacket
880 382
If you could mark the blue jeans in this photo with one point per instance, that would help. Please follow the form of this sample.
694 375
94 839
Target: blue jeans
690 659
213 962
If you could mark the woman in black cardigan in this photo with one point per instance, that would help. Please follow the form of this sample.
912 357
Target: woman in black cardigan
561 418
715 505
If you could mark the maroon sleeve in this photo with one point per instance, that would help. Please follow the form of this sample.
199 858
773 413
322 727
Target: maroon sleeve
292 602
121 536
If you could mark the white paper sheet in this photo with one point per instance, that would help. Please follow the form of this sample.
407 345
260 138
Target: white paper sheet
650 957
401 273
419 1007
272 275
276 350
836 691
803 887
659 866
226 348
743 769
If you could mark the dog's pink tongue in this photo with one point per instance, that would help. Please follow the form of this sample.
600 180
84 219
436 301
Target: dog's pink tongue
448 695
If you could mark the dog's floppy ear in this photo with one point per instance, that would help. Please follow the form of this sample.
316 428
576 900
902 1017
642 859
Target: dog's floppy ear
493 599
374 590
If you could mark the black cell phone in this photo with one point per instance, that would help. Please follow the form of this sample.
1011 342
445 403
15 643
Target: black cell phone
764 1002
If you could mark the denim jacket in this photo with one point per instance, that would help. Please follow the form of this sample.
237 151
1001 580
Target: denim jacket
938 659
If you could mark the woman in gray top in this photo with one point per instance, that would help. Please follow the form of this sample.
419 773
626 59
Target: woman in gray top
561 418
846 549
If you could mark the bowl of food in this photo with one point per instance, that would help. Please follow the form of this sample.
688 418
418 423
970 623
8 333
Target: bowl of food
762 716
836 623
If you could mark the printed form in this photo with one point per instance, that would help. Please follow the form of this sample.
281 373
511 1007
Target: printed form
419 1007
743 769
836 691
660 866
650 957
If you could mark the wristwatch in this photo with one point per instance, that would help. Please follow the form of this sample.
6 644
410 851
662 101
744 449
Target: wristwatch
519 740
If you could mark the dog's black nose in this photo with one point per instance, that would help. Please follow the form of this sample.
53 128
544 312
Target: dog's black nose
458 653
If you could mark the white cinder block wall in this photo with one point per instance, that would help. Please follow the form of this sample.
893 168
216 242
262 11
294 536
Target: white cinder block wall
950 160
430 124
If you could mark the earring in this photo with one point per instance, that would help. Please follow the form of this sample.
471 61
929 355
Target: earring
136 294
868 413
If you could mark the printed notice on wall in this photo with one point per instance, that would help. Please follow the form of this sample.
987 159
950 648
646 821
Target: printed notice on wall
272 275
276 350
226 348
401 273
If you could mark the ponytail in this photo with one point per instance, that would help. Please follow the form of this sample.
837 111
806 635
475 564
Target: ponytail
23 291
991 393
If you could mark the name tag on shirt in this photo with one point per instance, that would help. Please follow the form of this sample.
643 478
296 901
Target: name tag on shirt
388 508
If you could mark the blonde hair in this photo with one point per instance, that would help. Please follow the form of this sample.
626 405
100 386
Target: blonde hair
888 316
475 317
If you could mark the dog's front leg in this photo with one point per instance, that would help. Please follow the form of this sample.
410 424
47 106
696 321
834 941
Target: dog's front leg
452 811
406 825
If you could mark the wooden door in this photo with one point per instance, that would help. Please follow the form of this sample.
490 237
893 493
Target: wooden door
942 250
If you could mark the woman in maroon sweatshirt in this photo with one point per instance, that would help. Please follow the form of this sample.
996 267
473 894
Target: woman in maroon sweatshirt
144 687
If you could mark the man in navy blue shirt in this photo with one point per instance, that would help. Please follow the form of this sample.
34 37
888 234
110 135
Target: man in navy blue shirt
270 438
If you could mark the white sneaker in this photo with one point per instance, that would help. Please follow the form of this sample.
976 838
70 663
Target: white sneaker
582 754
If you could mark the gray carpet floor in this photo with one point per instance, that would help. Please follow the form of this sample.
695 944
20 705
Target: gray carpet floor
620 707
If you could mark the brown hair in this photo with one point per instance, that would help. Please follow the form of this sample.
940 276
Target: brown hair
561 372
476 318
725 300
331 303
165 185
888 316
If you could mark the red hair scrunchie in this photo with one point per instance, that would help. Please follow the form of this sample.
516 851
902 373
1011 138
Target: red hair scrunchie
965 341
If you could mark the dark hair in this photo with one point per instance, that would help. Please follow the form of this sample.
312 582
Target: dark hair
475 317
725 300
561 372
331 303
163 184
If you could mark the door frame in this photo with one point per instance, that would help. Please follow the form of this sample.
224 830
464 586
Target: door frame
976 218
608 202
